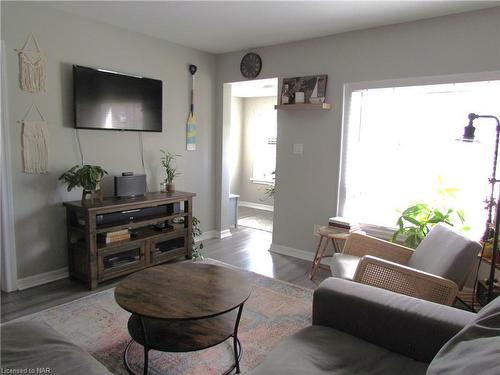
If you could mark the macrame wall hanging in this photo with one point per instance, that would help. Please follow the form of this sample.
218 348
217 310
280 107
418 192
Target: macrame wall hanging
32 66
35 143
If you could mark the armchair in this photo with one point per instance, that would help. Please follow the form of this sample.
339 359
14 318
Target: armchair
434 271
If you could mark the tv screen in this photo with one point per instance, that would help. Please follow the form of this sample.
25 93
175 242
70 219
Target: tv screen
114 101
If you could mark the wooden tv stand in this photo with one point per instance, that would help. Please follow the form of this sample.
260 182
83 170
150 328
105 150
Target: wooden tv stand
94 261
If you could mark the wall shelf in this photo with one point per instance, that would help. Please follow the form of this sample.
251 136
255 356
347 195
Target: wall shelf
320 106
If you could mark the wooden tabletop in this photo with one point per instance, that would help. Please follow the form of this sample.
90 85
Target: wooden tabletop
182 291
123 203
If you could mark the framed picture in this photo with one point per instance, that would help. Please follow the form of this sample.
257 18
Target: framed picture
312 87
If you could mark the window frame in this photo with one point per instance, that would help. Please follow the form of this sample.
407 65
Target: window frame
348 88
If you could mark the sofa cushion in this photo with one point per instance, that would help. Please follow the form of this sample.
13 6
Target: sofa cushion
32 345
473 350
318 350
344 266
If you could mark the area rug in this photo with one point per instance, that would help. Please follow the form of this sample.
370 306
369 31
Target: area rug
274 311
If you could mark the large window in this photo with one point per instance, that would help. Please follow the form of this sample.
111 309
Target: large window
400 142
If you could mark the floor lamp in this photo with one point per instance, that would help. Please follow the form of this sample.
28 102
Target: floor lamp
469 137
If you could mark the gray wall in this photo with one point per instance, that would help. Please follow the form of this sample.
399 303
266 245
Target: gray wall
67 39
307 184
235 144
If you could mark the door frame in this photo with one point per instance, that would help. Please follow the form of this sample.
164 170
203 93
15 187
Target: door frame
8 243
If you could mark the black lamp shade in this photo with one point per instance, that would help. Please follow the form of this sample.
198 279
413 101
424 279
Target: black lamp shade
469 133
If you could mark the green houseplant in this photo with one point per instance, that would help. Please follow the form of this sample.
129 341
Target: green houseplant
170 171
196 247
87 177
270 190
419 218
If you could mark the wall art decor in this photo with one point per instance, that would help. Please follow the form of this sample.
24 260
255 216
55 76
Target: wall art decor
35 138
32 66
312 87
191 121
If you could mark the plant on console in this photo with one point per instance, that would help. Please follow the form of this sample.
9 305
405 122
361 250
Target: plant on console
87 177
170 171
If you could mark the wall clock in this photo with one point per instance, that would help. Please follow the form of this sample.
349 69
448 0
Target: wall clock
251 65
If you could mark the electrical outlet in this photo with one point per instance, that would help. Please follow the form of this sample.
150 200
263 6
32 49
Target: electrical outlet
315 230
298 148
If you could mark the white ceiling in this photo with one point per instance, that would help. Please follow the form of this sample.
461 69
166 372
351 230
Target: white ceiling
223 26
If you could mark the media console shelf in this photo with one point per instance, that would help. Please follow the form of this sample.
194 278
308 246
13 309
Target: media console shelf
93 260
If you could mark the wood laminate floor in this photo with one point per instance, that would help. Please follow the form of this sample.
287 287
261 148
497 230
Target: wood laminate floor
255 218
247 248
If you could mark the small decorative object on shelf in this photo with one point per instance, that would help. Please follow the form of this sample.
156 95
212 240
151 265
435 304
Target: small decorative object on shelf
170 171
299 97
87 177
285 95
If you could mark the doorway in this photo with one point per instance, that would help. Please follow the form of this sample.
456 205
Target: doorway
252 153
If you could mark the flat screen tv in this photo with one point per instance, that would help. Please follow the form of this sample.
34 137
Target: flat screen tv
114 101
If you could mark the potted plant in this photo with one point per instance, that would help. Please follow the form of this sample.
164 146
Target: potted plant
270 190
87 177
196 247
170 171
418 219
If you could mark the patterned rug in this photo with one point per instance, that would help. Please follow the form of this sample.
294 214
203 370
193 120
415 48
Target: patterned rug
274 311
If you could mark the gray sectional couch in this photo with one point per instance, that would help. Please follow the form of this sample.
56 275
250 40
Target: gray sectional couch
32 346
360 329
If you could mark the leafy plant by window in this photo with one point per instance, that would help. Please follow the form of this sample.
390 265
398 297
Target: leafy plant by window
86 176
419 218
270 189
167 161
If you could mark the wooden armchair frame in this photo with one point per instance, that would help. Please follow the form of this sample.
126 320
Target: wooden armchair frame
383 264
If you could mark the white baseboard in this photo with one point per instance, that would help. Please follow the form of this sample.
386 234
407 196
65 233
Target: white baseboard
258 206
42 278
209 234
296 253
224 233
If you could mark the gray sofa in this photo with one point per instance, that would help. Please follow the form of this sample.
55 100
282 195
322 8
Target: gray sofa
360 329
32 346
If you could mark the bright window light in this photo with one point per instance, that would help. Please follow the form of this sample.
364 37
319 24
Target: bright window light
399 142
263 132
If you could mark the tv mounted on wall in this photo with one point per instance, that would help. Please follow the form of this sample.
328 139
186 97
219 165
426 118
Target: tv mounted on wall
114 101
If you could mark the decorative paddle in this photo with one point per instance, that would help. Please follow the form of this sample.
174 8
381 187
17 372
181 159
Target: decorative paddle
191 121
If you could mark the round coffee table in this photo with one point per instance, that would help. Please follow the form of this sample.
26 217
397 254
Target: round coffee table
183 307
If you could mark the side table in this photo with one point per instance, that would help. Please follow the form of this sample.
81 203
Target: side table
326 235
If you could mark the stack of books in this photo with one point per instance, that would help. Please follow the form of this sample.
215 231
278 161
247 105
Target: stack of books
117 235
341 224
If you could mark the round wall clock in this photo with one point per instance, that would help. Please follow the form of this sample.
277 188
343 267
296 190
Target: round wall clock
251 65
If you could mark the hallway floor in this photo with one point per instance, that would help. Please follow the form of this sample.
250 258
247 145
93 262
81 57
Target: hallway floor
255 218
